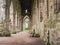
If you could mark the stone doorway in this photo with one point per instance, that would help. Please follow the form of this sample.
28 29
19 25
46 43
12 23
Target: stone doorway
26 23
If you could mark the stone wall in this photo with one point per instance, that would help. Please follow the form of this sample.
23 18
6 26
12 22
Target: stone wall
15 16
45 22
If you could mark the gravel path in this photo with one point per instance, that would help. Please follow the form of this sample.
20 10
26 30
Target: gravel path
21 38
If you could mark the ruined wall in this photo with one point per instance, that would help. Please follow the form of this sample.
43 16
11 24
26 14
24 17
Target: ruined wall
45 21
15 16
39 15
53 24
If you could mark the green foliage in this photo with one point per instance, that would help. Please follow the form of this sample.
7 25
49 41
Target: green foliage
26 30
7 34
3 32
14 32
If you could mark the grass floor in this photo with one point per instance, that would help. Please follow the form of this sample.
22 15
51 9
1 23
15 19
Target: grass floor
26 30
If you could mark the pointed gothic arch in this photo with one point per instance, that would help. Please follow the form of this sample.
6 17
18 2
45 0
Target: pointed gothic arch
26 22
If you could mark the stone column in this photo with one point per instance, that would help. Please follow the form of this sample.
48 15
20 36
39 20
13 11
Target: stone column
18 21
36 16
7 15
22 23
14 12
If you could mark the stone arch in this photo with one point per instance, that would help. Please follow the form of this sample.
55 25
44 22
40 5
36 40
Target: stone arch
26 22
25 17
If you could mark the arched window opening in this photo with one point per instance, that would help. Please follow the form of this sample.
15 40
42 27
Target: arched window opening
26 23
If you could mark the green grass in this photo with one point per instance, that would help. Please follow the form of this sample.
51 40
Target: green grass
26 30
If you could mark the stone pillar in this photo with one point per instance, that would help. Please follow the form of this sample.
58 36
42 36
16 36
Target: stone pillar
18 21
19 24
14 12
7 15
22 23
11 17
36 16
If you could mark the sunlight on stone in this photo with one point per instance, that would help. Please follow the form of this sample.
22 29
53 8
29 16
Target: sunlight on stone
26 23
26 11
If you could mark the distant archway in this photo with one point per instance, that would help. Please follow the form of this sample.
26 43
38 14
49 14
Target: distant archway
26 22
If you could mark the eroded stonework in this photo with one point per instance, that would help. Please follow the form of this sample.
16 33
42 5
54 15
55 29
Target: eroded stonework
48 25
